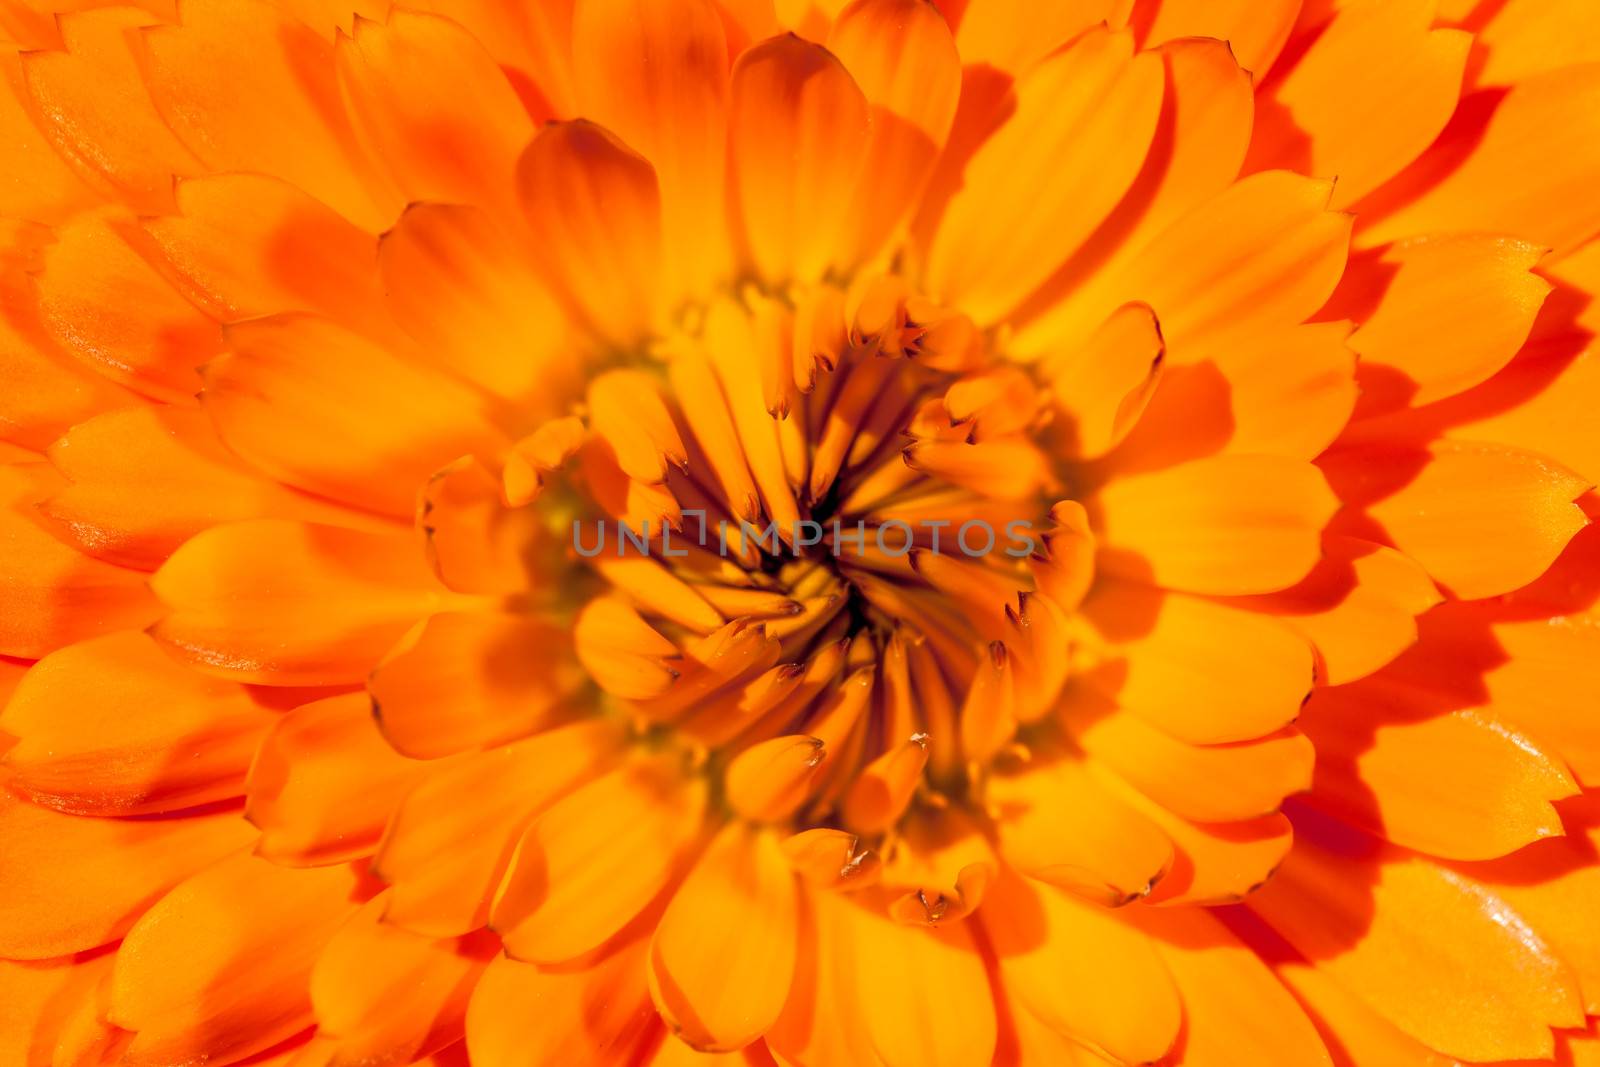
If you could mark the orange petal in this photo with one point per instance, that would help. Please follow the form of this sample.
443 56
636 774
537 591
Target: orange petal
1436 954
1009 469
1207 783
1360 1034
1039 187
626 408
1035 655
939 871
604 1008
1455 311
1526 38
1203 672
1458 784
1440 506
1195 153
656 72
823 1020
1525 174
1027 1042
988 719
790 211
44 188
467 680
832 859
383 995
49 1007
115 726
281 399
1064 572
50 595
597 210
1358 606
1057 824
1281 392
901 54
217 969
247 88
49 390
705 412
1226 525
146 479
427 100
535 42
101 301
241 246
1548 885
1102 387
1256 31
325 783
659 591
1212 863
473 541
1324 119
1082 970
95 111
724 952
757 396
1012 38
882 790
470 294
287 603
1265 252
592 862
450 840
74 883
1525 666
1235 1009
623 653
1538 403
930 1003
540 454
769 781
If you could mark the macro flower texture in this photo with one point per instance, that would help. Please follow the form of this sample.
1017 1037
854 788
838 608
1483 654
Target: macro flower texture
646 533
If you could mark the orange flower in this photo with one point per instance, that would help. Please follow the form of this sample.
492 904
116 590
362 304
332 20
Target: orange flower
799 532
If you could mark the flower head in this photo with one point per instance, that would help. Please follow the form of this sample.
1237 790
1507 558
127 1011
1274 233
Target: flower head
655 531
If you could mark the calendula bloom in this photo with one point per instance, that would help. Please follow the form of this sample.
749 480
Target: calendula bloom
658 532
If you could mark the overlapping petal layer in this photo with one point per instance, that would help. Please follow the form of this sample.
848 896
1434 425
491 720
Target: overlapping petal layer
806 533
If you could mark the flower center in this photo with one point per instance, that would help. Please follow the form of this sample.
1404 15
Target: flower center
817 525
